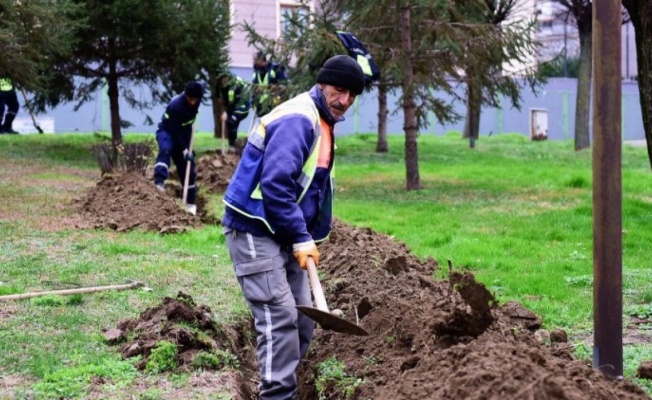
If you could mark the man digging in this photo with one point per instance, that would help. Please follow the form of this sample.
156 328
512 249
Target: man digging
174 139
278 206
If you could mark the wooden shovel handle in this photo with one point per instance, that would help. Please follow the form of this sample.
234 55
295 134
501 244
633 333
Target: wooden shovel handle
188 166
317 291
64 292
223 134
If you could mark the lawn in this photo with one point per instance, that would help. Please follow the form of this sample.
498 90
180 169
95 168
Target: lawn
517 213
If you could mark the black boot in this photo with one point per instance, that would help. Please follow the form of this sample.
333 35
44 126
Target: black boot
7 126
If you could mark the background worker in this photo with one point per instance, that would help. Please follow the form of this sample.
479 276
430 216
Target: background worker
278 206
173 138
234 99
8 100
266 80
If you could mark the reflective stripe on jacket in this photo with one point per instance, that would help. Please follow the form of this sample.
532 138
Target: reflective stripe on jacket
292 196
6 85
236 101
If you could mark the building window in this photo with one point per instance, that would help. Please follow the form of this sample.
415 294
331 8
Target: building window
289 10
545 25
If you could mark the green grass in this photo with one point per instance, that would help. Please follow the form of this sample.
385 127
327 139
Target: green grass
518 214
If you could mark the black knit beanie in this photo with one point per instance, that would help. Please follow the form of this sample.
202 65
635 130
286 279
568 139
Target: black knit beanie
194 90
342 71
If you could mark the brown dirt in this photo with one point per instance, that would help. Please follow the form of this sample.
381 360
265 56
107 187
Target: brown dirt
436 339
190 327
428 339
131 201
214 170
123 202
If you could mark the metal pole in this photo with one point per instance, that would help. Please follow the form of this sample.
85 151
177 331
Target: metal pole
627 50
565 49
607 190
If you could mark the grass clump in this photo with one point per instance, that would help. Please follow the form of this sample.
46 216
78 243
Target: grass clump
332 376
162 358
73 382
215 360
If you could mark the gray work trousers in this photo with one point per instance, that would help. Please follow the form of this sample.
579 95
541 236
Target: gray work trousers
273 284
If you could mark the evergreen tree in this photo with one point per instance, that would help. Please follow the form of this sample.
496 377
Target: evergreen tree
31 33
160 44
582 13
427 45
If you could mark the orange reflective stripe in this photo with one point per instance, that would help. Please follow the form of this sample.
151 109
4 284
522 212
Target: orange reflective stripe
324 158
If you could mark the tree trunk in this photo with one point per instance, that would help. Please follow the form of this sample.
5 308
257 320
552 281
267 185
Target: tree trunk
583 100
381 145
114 99
473 112
409 107
217 115
640 12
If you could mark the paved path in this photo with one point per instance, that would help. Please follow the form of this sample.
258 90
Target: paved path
637 143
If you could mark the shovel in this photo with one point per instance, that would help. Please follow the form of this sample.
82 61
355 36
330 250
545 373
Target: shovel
188 165
223 117
321 314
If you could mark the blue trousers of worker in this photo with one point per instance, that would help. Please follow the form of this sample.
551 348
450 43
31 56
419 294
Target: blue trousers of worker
169 150
273 284
232 124
9 100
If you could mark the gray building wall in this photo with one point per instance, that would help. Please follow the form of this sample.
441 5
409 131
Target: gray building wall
557 97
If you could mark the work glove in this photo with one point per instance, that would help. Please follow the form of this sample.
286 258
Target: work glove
188 155
302 251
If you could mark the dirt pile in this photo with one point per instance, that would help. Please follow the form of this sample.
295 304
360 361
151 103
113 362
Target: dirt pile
428 339
435 339
130 201
200 343
214 170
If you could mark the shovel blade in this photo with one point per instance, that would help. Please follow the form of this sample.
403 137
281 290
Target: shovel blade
331 322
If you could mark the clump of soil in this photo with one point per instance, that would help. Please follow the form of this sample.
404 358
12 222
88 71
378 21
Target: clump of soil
192 330
214 170
130 201
433 339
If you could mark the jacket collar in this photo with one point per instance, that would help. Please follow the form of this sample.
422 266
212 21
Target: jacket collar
320 101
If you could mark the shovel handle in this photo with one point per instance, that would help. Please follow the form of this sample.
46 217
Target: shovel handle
223 132
186 179
317 291
65 292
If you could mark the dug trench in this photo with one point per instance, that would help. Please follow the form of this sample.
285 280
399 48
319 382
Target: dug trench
428 338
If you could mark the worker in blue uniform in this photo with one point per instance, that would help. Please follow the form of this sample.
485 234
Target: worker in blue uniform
234 98
267 80
9 100
173 138
278 207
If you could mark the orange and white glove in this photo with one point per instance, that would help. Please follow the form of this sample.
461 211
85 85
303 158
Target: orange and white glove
304 250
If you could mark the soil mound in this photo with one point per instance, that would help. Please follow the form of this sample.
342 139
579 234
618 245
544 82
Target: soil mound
130 201
214 170
428 339
200 343
433 339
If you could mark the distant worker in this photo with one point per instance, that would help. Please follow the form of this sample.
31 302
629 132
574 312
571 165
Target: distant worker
234 98
278 207
266 80
173 138
9 100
